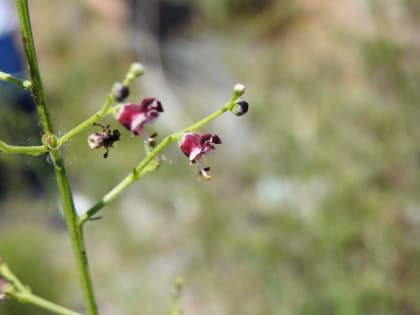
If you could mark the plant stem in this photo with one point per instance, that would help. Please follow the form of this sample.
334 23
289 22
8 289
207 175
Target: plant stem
75 233
60 172
28 44
139 170
11 277
127 181
88 122
176 297
38 301
24 84
31 150
211 117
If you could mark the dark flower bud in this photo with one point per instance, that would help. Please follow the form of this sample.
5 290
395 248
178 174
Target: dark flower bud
240 108
121 92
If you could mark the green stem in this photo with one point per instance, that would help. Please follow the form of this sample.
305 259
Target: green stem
88 122
75 233
38 301
211 117
139 170
62 180
31 150
24 84
127 181
28 44
176 297
6 273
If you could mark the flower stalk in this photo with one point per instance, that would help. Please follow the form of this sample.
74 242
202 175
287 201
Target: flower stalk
142 168
24 84
176 297
43 303
31 150
63 184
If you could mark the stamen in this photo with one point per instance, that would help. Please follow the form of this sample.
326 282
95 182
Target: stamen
203 170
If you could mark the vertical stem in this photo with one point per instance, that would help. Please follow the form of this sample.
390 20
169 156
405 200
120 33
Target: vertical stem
63 184
28 44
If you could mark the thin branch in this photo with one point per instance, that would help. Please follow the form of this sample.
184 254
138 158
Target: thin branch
31 150
135 70
43 303
24 84
141 168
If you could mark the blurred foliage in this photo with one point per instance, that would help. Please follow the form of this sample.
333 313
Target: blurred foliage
314 205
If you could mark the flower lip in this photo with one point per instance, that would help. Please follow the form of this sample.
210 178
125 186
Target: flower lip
134 117
95 140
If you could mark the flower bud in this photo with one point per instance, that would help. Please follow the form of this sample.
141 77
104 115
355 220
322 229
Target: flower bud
50 140
240 108
238 89
137 69
27 85
120 92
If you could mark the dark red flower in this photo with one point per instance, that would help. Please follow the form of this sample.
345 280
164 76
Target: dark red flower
194 146
134 117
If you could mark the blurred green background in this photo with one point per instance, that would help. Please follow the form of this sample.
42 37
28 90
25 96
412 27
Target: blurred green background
314 203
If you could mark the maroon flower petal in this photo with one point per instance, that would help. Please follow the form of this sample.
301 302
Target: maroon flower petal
134 117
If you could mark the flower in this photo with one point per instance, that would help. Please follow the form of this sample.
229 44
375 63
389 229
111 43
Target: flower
134 117
105 138
194 146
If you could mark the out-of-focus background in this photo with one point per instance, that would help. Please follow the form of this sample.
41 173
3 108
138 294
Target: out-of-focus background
314 203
